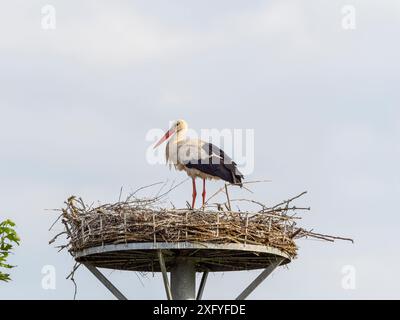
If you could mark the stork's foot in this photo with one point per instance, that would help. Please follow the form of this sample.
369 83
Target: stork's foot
204 198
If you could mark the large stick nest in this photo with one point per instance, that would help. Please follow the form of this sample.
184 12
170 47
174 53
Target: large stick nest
144 220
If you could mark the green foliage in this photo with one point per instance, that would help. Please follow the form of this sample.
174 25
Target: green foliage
8 238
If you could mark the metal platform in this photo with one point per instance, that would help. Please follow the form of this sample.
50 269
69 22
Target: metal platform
205 256
183 260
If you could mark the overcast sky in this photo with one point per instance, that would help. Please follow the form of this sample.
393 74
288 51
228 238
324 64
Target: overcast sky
77 102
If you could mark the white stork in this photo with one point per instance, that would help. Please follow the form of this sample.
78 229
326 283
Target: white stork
198 158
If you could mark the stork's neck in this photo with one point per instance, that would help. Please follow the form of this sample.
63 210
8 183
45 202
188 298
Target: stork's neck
180 135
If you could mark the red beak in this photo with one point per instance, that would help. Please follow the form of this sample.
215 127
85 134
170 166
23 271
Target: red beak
169 133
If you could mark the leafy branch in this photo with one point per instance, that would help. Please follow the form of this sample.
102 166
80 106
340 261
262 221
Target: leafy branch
8 239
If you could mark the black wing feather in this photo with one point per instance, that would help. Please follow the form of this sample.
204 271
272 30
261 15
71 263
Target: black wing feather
218 164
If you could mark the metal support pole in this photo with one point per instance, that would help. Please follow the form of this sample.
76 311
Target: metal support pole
246 292
165 275
105 281
202 285
183 279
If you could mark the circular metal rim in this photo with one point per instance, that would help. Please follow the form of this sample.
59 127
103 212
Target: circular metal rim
179 246
151 246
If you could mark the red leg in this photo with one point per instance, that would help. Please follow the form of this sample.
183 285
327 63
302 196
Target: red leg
194 195
204 192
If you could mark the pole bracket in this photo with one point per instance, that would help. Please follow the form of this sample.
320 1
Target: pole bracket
252 286
104 281
164 275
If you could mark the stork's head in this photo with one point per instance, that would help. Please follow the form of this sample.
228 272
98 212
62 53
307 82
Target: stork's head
180 126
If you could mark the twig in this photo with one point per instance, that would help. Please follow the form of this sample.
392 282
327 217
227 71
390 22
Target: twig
227 196
59 217
290 200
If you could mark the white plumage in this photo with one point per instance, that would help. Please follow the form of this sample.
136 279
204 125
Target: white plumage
199 159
